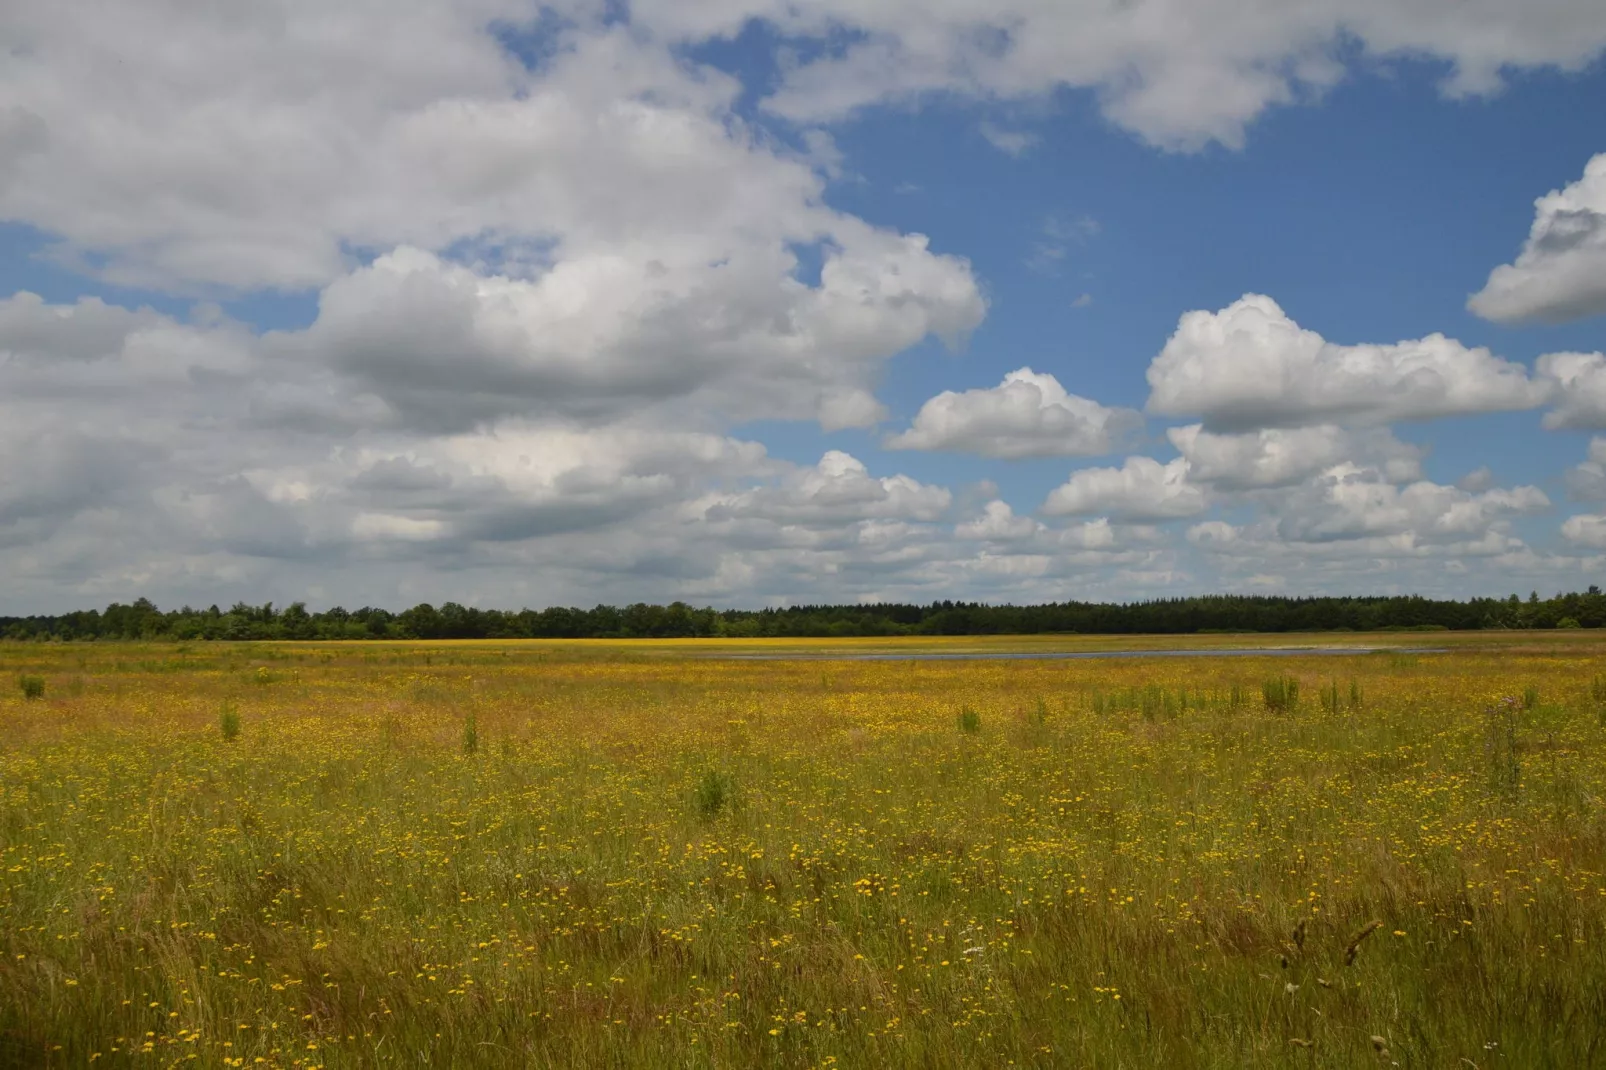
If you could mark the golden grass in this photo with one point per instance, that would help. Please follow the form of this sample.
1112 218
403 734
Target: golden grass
652 857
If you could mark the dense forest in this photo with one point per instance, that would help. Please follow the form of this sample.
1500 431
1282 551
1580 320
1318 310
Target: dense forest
1214 613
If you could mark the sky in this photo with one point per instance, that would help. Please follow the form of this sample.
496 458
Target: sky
749 303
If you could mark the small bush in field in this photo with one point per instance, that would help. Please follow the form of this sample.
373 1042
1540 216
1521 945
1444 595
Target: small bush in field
714 791
1330 699
1281 693
228 722
969 721
32 686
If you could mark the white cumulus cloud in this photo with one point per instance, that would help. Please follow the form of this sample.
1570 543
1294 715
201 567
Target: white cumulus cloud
998 523
839 488
1141 489
1250 366
446 346
1276 457
1027 415
1587 529
1587 482
1351 511
1578 390
1561 272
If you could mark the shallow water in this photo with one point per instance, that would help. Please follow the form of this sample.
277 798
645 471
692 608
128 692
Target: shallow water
1072 655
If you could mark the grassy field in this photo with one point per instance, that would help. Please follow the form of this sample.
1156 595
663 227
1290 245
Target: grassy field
588 855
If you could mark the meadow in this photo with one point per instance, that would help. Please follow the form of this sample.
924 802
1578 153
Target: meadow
596 854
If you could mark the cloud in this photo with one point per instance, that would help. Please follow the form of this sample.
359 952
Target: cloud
1587 482
1577 384
521 482
154 470
1178 74
998 523
1009 142
1348 501
446 347
1351 527
197 461
90 328
66 475
1349 510
1027 415
1141 489
1250 366
551 280
837 489
1560 274
1586 530
379 526
270 150
1029 557
1277 457
1058 235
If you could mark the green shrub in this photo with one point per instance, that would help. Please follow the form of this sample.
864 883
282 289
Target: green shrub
1330 698
1281 693
471 734
969 721
1568 622
228 722
32 686
713 793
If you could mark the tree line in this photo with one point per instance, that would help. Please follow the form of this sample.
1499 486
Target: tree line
1209 613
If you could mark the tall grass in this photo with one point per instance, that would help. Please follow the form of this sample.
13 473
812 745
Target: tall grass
693 863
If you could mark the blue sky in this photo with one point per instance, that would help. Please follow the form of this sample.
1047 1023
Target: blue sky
715 302
1370 217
